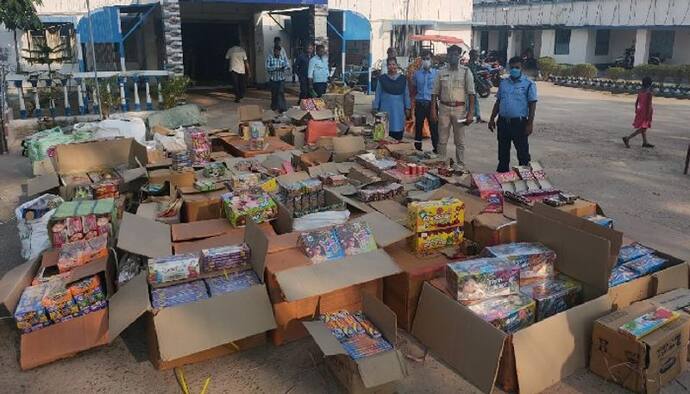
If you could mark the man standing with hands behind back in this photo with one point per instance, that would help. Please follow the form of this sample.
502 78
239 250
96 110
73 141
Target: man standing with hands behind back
318 72
453 85
516 103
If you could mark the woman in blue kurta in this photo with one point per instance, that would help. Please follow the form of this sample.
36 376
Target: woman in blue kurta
393 97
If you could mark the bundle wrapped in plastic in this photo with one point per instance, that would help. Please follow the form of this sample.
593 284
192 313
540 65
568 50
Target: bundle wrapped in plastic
184 293
232 282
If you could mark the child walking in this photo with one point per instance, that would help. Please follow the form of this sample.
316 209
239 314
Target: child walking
643 114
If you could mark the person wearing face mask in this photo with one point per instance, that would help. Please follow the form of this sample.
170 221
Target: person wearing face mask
423 83
452 88
516 103
473 65
393 97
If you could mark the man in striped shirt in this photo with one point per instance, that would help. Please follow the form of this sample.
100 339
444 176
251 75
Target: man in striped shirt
275 67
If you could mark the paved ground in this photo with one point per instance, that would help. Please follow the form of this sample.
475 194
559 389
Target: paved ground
577 139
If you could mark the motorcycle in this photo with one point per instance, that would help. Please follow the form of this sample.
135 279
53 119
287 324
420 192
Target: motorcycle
482 83
656 59
626 61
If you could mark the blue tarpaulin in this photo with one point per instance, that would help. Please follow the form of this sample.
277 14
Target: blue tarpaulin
357 27
106 26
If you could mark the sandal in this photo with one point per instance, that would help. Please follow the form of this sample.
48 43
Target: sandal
626 141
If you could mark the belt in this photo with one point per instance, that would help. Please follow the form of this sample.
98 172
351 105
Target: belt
420 101
453 103
518 119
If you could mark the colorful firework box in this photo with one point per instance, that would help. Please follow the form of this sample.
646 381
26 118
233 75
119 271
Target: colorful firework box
58 302
535 260
232 282
105 184
508 313
647 323
380 191
645 265
333 179
303 196
358 336
355 238
632 252
620 275
85 219
603 221
165 297
88 293
490 191
427 241
554 295
255 205
428 182
30 313
245 181
436 214
479 279
224 258
78 253
173 268
321 245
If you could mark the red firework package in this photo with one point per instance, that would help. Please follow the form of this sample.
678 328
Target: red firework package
490 191
81 252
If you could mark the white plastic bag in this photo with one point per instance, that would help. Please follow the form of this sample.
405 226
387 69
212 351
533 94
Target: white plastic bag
33 233
320 219
125 127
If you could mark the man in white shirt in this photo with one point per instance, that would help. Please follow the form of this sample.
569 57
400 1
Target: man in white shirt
239 70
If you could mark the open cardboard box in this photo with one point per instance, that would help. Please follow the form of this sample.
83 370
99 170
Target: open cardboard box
285 220
83 157
197 205
644 364
67 338
371 373
305 279
544 352
185 330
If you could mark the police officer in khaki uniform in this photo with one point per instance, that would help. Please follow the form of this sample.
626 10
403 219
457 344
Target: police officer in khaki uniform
452 87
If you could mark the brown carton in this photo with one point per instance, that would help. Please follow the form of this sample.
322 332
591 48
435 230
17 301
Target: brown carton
83 157
65 339
201 205
373 374
545 352
305 279
645 364
177 332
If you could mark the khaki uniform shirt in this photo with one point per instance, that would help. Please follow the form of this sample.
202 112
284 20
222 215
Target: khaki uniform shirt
454 85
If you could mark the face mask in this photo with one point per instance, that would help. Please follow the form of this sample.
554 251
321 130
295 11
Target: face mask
426 64
515 73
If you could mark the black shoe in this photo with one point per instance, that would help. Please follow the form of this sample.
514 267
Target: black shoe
648 145
626 141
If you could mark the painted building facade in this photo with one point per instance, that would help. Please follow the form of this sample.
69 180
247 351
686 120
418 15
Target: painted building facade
585 31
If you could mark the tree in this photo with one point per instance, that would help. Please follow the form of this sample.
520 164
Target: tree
42 53
19 15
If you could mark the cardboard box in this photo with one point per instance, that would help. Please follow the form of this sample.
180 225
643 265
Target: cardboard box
369 374
299 278
346 147
201 205
83 157
545 352
174 338
645 364
67 338
401 292
290 314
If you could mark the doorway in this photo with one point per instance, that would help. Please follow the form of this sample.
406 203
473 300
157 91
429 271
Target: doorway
204 47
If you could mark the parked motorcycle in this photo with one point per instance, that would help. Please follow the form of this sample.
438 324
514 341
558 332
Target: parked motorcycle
656 59
626 61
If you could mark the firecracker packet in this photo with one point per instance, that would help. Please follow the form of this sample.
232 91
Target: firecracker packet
435 214
554 295
482 278
535 260
229 283
508 313
320 245
173 268
165 297
355 238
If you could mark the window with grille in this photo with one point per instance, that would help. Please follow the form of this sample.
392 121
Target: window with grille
562 43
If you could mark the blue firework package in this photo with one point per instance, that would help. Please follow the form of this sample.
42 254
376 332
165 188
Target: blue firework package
321 245
646 264
632 252
535 260
620 275
178 294
510 313
554 295
479 279
232 282
603 221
